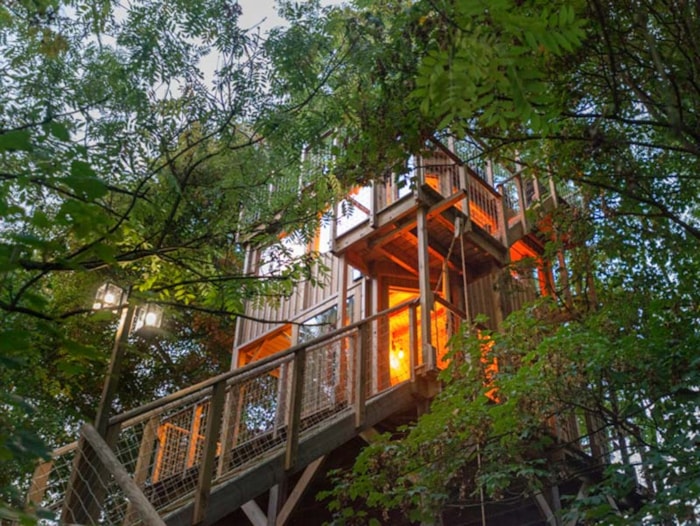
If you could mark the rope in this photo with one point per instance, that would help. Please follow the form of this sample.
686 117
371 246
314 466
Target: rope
458 231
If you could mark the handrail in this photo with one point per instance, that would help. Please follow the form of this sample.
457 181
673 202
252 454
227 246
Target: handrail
109 460
450 306
249 369
473 176
517 174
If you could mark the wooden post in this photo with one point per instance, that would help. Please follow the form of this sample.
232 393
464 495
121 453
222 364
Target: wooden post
111 464
521 199
502 223
343 384
414 357
40 478
467 202
426 295
537 193
360 380
489 172
294 408
371 307
299 490
275 500
232 423
564 279
334 227
282 393
211 438
553 191
109 389
463 182
374 204
143 461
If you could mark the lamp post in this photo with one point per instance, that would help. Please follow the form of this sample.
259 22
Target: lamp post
87 486
132 318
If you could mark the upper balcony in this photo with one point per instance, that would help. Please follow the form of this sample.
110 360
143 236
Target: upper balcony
472 218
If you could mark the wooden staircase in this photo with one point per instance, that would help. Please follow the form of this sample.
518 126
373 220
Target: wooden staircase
200 454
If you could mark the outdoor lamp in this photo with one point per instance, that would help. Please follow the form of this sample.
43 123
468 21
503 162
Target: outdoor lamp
109 296
148 316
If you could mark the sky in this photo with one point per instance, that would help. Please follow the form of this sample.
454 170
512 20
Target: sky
265 12
259 12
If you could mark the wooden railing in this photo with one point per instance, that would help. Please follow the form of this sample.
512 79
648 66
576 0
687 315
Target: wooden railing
482 204
178 448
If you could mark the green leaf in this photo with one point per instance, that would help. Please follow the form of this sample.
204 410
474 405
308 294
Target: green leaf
84 181
80 168
59 130
15 140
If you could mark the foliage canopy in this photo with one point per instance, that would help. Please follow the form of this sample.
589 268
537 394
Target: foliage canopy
602 98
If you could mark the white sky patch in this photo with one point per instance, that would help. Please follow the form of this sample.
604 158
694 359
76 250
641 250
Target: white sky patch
264 13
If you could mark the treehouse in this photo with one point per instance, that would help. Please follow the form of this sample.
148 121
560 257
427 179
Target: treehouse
408 260
434 241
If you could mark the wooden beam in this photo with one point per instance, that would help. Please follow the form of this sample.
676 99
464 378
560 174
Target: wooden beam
398 261
369 435
255 515
40 479
582 493
426 295
546 510
438 253
274 502
408 222
398 228
299 490
108 459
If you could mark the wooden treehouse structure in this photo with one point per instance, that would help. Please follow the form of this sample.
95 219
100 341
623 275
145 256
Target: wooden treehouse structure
411 258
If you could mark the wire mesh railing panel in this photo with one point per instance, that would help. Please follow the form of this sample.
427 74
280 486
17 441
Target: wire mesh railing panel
91 495
326 380
255 418
173 452
50 480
